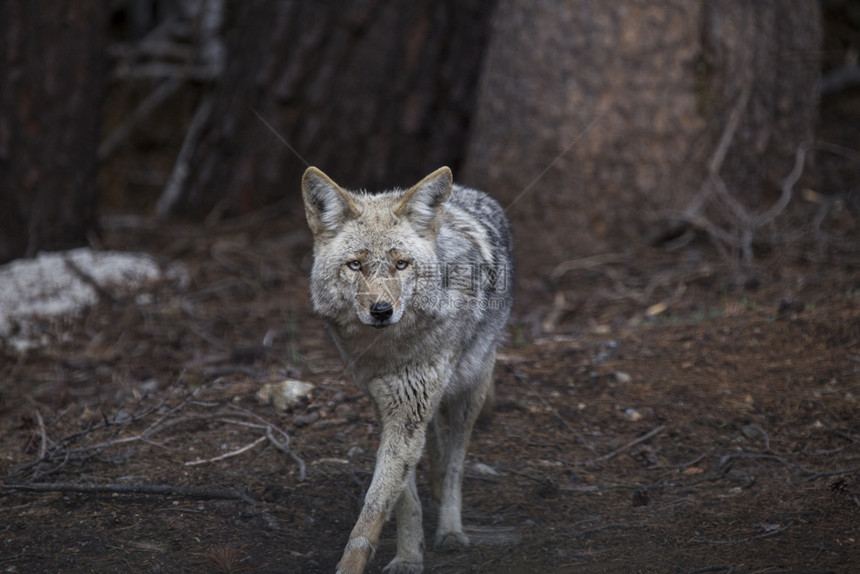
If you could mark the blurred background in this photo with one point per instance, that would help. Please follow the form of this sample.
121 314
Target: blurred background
680 384
602 127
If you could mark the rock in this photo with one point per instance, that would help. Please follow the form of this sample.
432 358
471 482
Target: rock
306 419
286 394
484 469
66 283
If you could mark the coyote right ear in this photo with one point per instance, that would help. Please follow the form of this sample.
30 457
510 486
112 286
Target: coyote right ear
421 204
327 205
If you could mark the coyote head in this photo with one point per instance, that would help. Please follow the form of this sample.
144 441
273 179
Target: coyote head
373 253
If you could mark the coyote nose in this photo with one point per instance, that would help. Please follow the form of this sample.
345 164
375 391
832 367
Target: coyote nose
381 311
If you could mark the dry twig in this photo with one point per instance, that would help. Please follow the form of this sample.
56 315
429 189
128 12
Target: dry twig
745 221
650 434
176 184
152 489
226 455
54 456
767 533
151 103
715 568
43 445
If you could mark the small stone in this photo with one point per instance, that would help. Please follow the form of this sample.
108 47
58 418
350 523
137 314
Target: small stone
788 304
632 414
641 498
482 468
306 419
286 394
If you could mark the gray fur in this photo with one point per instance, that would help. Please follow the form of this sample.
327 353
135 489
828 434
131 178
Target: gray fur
415 287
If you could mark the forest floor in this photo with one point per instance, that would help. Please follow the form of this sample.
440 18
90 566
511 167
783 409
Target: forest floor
653 414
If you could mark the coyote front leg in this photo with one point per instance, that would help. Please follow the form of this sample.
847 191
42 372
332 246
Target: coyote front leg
448 460
410 532
400 446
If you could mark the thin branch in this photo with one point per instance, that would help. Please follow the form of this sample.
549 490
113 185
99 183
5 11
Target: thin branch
837 149
156 489
140 114
817 475
746 222
727 461
585 263
715 568
54 456
226 455
282 445
787 186
739 212
650 434
43 436
765 534
176 184
693 210
280 442
716 163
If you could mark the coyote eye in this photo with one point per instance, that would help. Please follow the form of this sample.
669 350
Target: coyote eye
401 264
355 265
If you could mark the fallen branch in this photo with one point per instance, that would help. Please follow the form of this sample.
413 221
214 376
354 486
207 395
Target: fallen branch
766 534
650 434
715 568
816 475
232 453
727 461
585 263
149 489
176 184
280 442
43 435
59 454
283 446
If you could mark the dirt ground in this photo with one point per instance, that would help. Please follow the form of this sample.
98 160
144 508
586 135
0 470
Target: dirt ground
717 433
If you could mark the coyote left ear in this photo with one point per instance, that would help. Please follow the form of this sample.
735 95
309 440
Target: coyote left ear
327 205
422 202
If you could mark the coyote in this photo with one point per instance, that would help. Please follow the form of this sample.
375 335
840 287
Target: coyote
416 287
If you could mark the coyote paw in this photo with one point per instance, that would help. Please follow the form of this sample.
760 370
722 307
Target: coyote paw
451 542
398 566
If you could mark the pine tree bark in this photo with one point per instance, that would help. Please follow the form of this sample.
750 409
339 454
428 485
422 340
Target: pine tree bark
51 78
377 93
596 121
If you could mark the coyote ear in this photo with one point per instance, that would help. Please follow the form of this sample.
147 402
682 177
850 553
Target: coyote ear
422 203
327 205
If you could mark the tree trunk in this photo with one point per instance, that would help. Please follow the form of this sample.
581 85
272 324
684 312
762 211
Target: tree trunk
376 93
51 81
597 121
